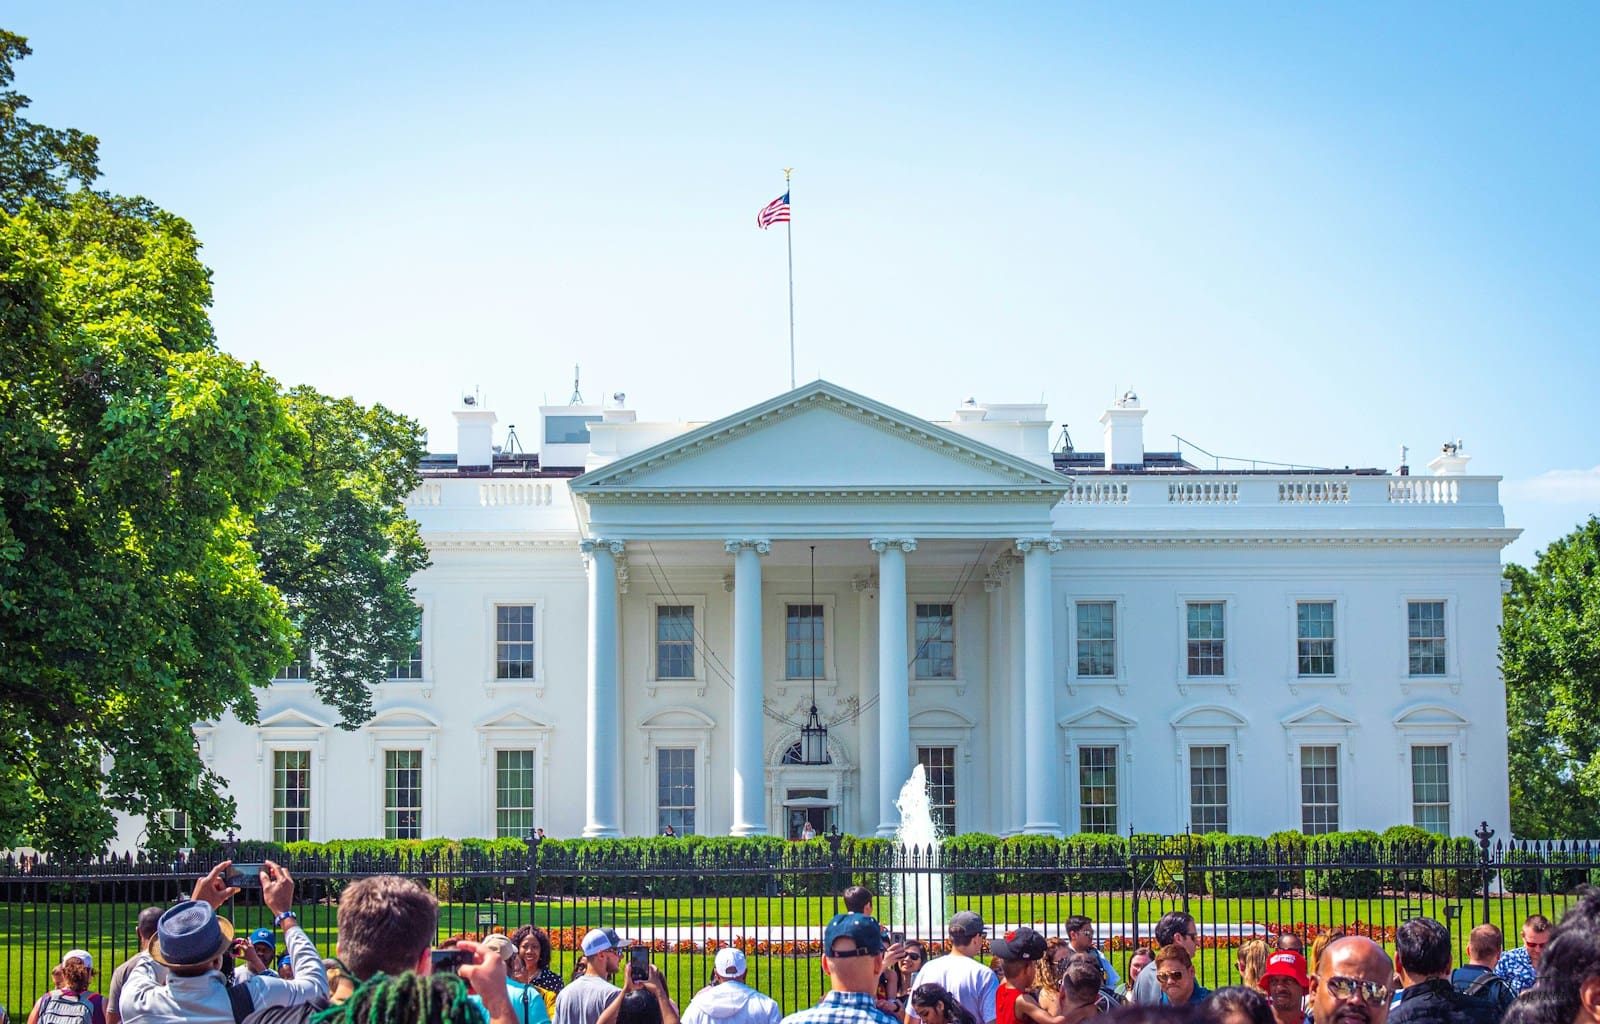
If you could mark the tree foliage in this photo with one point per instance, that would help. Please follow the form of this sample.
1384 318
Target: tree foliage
340 547
1550 654
168 517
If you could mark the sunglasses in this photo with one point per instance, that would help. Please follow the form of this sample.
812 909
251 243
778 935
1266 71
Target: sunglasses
914 956
1373 993
1166 976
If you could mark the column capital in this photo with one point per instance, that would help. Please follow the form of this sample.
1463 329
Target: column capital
589 545
760 547
1026 544
882 544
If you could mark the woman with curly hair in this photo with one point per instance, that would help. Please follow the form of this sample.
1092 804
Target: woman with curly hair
1057 952
533 943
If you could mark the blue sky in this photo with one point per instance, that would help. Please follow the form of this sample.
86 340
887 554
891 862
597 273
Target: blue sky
1303 233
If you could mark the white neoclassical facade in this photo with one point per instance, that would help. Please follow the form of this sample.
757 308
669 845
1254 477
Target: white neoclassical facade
625 630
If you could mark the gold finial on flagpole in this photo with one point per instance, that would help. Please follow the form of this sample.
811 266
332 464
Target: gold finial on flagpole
786 171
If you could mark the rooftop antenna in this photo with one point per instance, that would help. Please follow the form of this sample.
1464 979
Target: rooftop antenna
577 396
472 398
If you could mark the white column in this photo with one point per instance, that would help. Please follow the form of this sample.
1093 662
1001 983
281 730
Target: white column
603 798
867 727
1039 736
749 774
894 683
995 786
1016 711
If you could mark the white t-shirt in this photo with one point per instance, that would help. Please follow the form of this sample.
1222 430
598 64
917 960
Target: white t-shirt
973 984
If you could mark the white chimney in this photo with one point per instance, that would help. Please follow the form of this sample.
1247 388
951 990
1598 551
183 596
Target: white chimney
1450 461
474 438
1124 425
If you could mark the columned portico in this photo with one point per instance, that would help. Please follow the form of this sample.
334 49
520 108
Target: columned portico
749 772
894 684
1039 740
603 797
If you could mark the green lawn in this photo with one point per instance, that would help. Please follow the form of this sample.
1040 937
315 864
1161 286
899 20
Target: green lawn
33 936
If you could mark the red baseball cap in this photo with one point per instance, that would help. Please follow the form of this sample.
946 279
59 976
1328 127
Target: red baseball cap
1286 964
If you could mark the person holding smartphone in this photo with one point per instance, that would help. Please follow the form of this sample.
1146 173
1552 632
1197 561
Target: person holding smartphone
587 996
644 998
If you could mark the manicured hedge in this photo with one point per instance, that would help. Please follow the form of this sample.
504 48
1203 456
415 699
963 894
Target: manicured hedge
1355 864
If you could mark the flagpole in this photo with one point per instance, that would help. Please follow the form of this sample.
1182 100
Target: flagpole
788 230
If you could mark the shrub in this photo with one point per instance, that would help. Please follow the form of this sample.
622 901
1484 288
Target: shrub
1228 854
1101 860
1338 857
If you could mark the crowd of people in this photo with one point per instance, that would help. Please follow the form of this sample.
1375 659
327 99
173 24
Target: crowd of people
192 969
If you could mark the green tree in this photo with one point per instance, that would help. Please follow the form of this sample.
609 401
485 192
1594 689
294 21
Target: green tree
1550 654
168 516
340 547
36 162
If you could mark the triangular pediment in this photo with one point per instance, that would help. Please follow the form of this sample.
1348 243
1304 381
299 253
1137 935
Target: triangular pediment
512 721
292 718
1097 717
1319 716
819 438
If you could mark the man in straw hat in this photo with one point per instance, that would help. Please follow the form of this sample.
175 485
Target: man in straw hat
191 941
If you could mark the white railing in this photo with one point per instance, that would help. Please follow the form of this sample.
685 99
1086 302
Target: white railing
522 492
427 493
1314 492
1097 494
1216 492
1411 490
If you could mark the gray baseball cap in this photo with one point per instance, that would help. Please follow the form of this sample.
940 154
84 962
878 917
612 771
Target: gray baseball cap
966 924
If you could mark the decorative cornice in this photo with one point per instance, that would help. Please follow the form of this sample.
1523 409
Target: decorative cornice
882 544
1027 544
1495 539
760 547
797 495
589 545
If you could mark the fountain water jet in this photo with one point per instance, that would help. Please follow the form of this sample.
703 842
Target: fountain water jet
916 906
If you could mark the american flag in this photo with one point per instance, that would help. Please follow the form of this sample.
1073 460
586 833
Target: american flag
774 212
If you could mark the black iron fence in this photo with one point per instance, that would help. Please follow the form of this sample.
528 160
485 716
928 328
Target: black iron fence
686 899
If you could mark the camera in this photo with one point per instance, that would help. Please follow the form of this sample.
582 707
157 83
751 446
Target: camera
639 964
897 938
244 876
450 961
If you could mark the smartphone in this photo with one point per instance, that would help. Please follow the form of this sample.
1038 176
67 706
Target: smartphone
450 961
245 876
639 964
897 938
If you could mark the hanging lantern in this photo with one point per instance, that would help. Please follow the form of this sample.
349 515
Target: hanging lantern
814 740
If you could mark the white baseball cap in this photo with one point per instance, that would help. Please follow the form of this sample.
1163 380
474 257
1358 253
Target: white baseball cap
81 954
730 963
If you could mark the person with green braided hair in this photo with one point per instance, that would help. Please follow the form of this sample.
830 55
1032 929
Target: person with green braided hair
413 998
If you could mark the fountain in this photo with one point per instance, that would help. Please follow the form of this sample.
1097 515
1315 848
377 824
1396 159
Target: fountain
916 904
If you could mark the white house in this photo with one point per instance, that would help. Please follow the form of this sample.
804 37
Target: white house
626 631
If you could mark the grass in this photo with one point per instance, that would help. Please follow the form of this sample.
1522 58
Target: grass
34 936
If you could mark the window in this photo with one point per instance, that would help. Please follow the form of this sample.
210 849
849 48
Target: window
803 642
291 796
1205 653
1097 789
1425 637
1314 638
936 641
411 667
177 825
939 766
1208 789
1097 638
1319 790
674 641
513 641
675 790
402 794
296 671
1430 788
796 755
513 793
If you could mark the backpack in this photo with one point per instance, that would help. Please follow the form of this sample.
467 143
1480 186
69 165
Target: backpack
59 1008
239 1001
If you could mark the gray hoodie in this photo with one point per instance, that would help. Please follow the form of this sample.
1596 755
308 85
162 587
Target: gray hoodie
732 1002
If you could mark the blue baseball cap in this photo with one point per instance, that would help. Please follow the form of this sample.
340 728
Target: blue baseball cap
863 930
262 937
